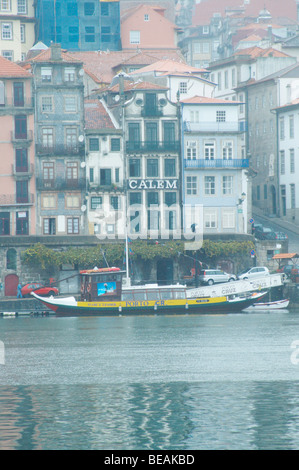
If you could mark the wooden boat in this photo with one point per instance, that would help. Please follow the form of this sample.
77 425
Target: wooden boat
102 293
275 305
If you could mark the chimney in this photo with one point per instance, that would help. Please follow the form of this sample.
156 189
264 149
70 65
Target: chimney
56 51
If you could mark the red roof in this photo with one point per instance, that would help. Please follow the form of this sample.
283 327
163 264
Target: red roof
204 10
96 116
10 69
206 100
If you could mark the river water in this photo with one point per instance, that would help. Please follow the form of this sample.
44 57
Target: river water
150 383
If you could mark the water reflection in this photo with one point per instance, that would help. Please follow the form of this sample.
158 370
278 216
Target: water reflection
150 416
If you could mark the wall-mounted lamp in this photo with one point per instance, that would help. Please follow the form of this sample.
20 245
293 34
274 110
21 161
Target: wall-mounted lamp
242 198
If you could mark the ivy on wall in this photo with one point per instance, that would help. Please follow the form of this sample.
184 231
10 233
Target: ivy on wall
41 256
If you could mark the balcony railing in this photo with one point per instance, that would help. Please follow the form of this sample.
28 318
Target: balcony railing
60 149
17 103
230 126
21 136
217 163
13 200
150 146
60 184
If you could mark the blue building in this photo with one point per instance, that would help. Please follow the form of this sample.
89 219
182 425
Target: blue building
79 25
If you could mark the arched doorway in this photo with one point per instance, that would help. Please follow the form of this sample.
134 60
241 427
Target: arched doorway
11 285
165 271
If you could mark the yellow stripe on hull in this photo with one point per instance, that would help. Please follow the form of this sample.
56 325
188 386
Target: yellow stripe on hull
152 303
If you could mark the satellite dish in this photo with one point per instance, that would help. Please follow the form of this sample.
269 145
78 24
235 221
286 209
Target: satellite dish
83 164
83 208
116 98
81 138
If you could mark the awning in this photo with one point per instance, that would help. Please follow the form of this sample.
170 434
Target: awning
285 256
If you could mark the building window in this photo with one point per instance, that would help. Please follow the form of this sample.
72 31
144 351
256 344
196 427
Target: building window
18 94
6 31
11 259
291 123
69 74
22 225
281 128
94 144
220 116
227 150
293 196
146 17
21 127
191 185
191 150
183 88
292 161
116 175
72 9
47 137
205 29
21 160
72 201
134 37
106 33
73 225
170 220
5 5
209 148
96 202
46 74
23 32
48 201
71 137
152 169
89 8
228 219
48 174
73 34
115 202
169 198
47 104
282 162
115 144
134 167
152 199
265 191
22 7
7 55
72 172
104 9
89 34
209 185
70 104
210 219
49 226
105 176
4 223
227 185
169 167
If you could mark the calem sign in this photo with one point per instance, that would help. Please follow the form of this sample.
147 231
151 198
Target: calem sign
152 184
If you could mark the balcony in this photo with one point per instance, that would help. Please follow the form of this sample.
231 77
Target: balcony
151 111
230 126
217 163
150 146
60 149
24 103
61 184
22 171
19 137
13 200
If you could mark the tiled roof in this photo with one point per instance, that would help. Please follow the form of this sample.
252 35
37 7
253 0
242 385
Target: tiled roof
204 10
295 102
45 56
10 69
96 116
168 66
105 65
256 51
139 85
206 100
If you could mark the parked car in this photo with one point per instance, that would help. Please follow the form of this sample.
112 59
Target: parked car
262 232
213 276
256 227
39 289
276 236
252 273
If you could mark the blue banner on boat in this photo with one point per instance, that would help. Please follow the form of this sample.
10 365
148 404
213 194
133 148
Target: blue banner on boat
106 287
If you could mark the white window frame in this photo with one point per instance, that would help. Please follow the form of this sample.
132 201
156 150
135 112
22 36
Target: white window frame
23 32
69 74
6 31
47 104
220 115
46 74
21 7
209 150
209 185
227 149
5 5
210 218
191 150
228 219
70 104
227 185
191 185
134 37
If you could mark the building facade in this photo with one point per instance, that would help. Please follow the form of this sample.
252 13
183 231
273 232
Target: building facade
17 24
60 147
79 25
214 176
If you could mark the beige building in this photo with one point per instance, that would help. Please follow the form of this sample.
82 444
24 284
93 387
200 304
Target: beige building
17 28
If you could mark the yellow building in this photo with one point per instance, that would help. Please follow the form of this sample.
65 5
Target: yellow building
17 28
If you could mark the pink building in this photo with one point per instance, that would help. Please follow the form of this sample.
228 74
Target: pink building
17 183
146 27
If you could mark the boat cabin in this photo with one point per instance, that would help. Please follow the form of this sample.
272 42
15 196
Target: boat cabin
101 284
153 292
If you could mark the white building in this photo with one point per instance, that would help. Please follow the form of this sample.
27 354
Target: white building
288 158
214 173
